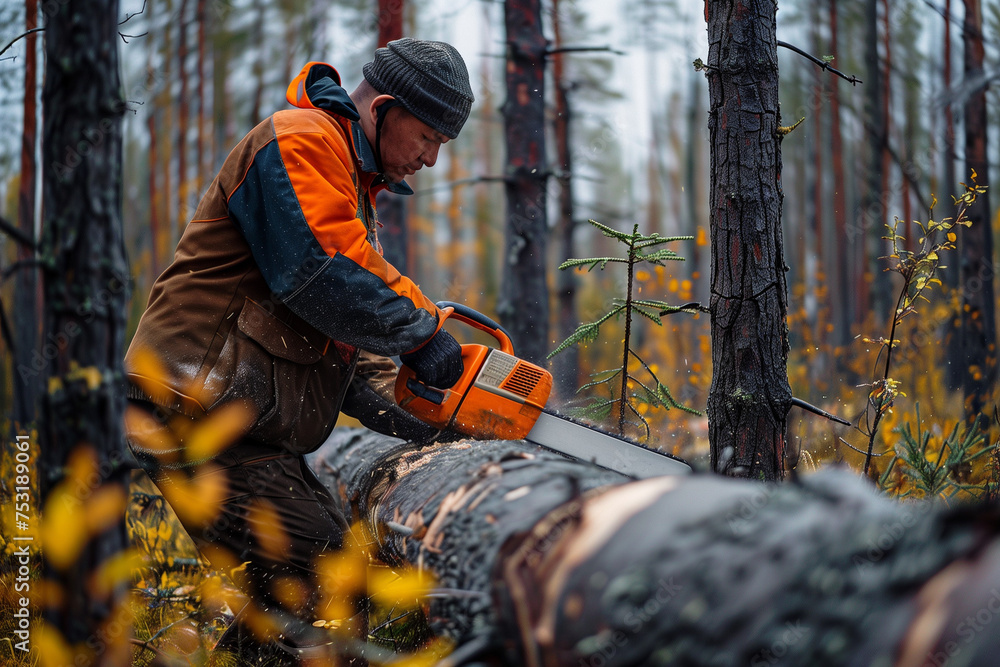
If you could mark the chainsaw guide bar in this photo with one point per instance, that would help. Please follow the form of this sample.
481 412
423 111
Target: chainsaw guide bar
587 444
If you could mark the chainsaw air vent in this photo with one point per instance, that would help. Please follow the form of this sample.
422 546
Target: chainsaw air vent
523 380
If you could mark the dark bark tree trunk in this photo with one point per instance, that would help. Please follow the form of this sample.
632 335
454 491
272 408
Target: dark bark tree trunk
155 195
886 112
749 397
565 366
390 20
545 562
488 223
979 333
260 63
223 123
524 300
27 299
694 189
165 106
839 273
394 234
203 164
184 209
869 223
811 237
86 288
949 115
951 272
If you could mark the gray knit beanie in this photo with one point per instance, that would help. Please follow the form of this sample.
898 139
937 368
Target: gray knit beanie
428 78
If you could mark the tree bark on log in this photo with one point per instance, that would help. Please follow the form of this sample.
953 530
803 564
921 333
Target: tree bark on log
543 561
749 397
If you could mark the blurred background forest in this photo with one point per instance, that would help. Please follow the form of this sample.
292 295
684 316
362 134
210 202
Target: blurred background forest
627 143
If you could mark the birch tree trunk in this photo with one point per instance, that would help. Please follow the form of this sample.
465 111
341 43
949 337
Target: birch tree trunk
749 397
524 299
86 289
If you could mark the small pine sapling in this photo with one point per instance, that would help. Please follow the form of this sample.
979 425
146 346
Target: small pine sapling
642 249
918 269
938 472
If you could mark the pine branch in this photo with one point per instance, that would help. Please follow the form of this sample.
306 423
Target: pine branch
5 330
129 17
693 307
798 402
652 303
598 383
11 230
21 36
853 80
585 333
611 232
593 261
649 316
662 255
582 49
656 239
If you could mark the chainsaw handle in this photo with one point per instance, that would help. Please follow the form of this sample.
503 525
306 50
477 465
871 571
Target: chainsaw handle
475 319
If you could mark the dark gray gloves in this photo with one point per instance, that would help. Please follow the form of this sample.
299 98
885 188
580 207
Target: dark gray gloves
384 416
438 363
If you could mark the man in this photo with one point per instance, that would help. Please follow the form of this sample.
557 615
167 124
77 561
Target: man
279 308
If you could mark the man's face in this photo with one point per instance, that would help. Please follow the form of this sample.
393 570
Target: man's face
407 144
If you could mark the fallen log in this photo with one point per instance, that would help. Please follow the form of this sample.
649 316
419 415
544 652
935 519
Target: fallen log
556 562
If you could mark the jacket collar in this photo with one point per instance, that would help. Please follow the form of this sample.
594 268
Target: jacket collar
367 157
318 87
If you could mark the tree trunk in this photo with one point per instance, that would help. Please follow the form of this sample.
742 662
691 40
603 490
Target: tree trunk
260 62
814 207
694 188
541 561
390 20
565 366
203 164
86 286
950 273
839 276
488 221
456 274
394 234
26 292
184 209
524 301
869 223
153 179
749 397
979 334
886 112
165 103
223 124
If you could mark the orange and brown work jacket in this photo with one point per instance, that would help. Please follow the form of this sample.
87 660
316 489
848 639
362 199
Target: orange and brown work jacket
277 284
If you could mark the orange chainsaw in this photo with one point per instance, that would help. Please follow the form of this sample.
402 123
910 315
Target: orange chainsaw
502 397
